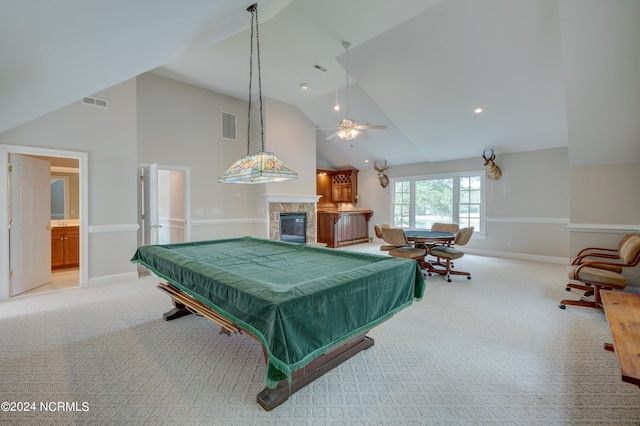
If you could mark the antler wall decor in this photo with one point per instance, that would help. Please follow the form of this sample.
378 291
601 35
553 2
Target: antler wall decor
493 171
384 179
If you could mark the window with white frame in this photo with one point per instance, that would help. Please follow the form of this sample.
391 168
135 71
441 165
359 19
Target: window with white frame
417 202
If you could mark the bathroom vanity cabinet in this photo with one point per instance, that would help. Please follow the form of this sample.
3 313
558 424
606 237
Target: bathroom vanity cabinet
65 247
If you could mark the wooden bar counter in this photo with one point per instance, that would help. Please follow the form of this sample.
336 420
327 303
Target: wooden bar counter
341 228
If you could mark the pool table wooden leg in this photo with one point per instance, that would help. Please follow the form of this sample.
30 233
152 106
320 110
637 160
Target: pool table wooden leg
178 311
270 398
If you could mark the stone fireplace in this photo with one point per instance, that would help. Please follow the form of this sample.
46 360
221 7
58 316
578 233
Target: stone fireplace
285 203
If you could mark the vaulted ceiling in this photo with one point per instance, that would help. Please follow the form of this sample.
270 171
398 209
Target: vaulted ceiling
420 67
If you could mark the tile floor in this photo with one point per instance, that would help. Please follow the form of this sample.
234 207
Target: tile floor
60 279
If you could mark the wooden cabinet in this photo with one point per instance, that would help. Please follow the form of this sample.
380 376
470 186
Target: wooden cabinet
337 229
65 247
344 186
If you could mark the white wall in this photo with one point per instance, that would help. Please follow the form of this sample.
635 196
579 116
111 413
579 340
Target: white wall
109 138
291 135
601 62
179 125
528 206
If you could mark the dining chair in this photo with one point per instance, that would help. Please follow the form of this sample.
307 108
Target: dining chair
443 227
449 253
397 238
596 275
378 230
592 253
589 253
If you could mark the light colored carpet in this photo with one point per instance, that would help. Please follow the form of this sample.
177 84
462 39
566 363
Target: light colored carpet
491 350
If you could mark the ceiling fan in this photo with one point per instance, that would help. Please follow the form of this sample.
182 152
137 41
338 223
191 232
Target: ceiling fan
348 129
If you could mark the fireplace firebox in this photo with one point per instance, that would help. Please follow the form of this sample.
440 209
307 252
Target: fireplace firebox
293 227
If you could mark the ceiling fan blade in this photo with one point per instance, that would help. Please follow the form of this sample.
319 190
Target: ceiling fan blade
331 136
371 126
325 128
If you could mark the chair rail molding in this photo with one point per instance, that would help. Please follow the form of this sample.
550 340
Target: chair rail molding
125 227
514 219
607 228
205 222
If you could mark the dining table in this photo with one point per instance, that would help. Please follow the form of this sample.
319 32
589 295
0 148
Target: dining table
427 238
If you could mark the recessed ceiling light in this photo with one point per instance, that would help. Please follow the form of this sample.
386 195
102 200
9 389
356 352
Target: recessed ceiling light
336 107
304 86
478 110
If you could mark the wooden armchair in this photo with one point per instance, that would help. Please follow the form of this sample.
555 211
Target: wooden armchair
596 275
449 253
397 238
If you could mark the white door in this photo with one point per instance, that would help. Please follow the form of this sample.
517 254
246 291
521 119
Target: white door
150 204
30 218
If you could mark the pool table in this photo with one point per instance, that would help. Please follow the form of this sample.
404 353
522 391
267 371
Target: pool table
310 307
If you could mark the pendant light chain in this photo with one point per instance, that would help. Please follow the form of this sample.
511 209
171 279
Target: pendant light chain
347 45
250 81
259 80
254 24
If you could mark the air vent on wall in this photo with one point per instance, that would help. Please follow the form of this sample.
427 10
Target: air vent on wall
228 125
100 103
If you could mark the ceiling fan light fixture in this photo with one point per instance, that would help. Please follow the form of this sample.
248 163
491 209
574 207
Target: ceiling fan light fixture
348 134
348 129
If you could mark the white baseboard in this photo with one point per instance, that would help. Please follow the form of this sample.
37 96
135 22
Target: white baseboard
520 256
108 279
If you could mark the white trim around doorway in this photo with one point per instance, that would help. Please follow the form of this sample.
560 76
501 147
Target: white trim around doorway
83 159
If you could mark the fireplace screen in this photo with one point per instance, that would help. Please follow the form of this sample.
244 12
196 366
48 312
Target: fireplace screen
293 227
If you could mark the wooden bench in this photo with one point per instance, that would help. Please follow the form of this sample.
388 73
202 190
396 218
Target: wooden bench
623 314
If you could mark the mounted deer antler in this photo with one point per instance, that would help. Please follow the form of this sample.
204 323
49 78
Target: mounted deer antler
384 180
493 171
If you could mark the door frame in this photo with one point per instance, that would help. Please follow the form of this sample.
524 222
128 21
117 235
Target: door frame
83 162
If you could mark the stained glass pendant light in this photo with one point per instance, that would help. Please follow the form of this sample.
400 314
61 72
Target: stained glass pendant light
259 167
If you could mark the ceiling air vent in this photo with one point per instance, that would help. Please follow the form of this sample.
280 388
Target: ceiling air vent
320 67
100 103
229 123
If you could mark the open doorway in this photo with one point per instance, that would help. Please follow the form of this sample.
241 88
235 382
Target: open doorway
65 224
68 174
164 204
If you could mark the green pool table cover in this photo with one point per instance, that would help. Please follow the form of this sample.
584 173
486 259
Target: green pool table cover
298 300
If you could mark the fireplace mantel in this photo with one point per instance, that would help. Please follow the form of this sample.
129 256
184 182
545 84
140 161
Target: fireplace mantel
292 198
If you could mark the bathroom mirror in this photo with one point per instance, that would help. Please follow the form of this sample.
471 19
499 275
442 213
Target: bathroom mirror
59 204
